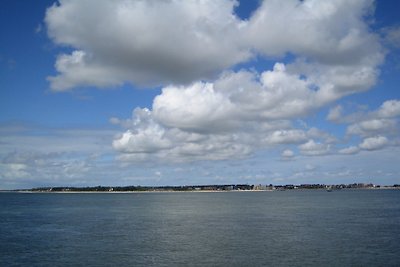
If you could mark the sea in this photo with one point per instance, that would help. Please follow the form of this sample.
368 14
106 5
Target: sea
279 228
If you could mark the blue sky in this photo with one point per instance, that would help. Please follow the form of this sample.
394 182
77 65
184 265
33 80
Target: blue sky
182 92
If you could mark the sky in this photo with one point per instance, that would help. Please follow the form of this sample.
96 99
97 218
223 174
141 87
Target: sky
131 92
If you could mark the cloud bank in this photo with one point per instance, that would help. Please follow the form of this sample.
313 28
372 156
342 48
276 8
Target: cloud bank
178 42
209 109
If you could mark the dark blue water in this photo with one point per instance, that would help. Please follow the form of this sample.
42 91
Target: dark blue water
289 228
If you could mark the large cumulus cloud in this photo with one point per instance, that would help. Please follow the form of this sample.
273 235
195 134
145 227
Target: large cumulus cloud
235 115
143 42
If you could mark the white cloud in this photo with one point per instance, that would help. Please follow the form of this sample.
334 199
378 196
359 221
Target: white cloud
238 113
310 167
312 148
372 127
374 143
237 101
378 128
326 31
143 42
389 109
33 155
236 98
232 117
287 154
349 150
342 54
316 133
291 136
211 147
335 114
337 81
13 170
383 121
76 71
197 107
147 137
74 169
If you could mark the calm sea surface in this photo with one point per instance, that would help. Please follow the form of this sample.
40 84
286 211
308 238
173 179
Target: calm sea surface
286 228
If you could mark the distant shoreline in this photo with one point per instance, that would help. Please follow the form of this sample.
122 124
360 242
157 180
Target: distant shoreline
186 191
202 188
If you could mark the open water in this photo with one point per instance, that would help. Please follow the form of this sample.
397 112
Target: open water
280 228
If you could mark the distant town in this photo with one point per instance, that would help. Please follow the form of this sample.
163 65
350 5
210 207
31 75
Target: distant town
226 187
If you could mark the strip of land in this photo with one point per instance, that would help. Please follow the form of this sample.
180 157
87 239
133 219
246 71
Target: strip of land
208 188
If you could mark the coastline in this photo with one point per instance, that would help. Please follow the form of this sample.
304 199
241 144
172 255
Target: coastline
188 191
